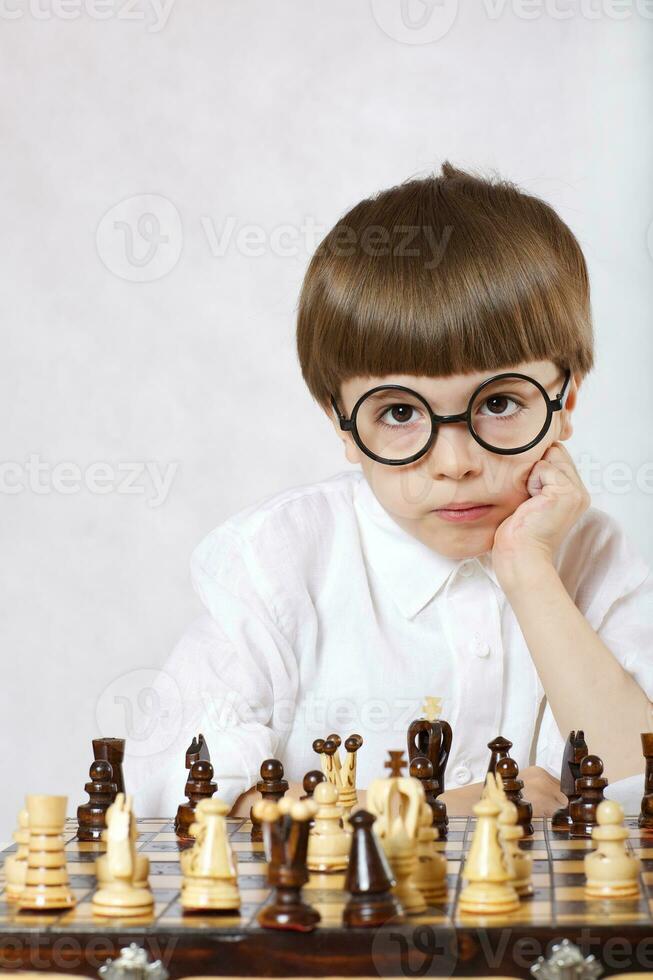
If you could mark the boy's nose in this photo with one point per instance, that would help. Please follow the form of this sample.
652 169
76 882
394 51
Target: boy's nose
454 453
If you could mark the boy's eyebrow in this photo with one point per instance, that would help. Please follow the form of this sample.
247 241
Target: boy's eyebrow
380 395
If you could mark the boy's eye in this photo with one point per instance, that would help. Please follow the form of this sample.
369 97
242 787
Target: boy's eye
498 405
399 414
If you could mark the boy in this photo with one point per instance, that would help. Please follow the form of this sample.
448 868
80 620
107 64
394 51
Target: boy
444 326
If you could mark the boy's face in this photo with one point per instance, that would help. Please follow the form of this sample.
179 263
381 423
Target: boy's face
456 469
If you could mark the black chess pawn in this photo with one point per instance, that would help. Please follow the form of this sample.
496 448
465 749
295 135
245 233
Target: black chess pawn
589 786
645 819
287 872
199 786
312 778
508 769
421 768
500 749
575 751
111 750
101 791
272 786
369 879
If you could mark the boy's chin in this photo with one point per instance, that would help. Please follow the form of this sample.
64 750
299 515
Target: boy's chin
464 543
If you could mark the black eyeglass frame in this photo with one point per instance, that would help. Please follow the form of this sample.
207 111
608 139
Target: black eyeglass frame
552 404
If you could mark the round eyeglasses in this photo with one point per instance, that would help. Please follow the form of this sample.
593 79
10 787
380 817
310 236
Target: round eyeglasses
507 414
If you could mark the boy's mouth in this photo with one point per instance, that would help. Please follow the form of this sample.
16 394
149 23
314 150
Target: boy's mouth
463 512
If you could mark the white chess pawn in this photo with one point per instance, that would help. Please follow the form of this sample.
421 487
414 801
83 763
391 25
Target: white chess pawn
519 862
431 872
328 843
16 864
611 872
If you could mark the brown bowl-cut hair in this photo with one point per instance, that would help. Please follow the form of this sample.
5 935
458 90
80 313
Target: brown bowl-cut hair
447 274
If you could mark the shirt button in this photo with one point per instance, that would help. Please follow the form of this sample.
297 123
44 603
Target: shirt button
467 569
479 647
462 775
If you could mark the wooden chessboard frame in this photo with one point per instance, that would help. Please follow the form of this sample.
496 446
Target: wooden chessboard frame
440 942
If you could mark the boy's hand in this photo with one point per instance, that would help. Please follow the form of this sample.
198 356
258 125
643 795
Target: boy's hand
245 801
531 535
541 790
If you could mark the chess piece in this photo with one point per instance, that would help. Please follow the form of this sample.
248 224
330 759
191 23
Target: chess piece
500 749
645 819
342 775
488 889
421 768
611 872
210 879
508 769
198 749
101 792
589 786
431 736
396 763
397 804
111 750
312 778
430 875
328 841
272 786
575 751
332 744
287 824
199 786
119 894
46 878
518 862
15 866
347 795
369 879
141 868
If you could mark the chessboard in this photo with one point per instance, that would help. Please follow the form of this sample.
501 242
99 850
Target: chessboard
441 942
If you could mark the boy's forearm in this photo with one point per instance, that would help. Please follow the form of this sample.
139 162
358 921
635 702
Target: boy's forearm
585 684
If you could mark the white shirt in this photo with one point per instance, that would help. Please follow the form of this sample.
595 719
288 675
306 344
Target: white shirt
324 615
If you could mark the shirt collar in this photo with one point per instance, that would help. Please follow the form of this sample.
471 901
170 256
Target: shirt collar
413 572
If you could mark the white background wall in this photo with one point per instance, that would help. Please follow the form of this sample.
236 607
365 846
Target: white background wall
269 113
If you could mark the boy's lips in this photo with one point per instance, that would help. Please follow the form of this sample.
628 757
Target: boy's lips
461 513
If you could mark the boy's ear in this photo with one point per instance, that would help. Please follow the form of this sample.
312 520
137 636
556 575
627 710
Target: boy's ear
352 452
567 428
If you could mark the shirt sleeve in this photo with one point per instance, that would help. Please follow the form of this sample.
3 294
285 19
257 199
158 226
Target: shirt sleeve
232 676
615 594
